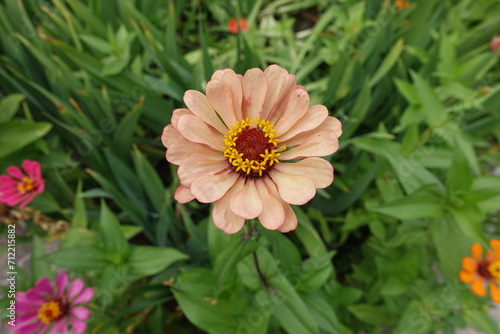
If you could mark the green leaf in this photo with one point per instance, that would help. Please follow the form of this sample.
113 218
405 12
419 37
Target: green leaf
235 250
322 312
481 321
459 177
149 260
80 259
16 135
114 241
126 128
79 219
150 180
370 314
388 62
359 111
39 268
432 107
9 106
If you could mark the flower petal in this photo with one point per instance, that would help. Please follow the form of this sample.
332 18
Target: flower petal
313 118
15 172
194 167
317 145
296 107
84 296
75 288
183 194
61 283
469 264
177 114
222 215
170 135
198 104
42 287
330 124
58 326
197 131
219 73
466 276
477 251
290 223
495 244
33 169
184 149
318 170
209 188
247 203
494 292
255 91
29 329
231 80
80 312
477 287
219 96
293 189
79 326
273 214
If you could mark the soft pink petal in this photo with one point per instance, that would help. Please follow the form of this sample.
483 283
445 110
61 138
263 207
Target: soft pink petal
61 283
33 169
199 105
16 172
222 215
193 168
293 189
184 149
287 86
27 318
84 296
75 288
275 76
219 73
296 107
30 329
209 188
231 80
313 118
255 91
170 135
78 326
59 326
26 300
247 203
178 113
290 222
197 131
6 180
219 96
318 170
317 145
273 214
80 312
183 195
329 124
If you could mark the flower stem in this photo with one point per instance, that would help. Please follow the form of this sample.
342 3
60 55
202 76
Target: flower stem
261 275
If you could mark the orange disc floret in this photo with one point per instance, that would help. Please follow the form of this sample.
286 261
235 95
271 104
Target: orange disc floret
481 272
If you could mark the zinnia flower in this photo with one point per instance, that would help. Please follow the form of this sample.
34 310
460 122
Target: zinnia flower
237 26
480 272
251 145
401 4
21 187
495 43
51 307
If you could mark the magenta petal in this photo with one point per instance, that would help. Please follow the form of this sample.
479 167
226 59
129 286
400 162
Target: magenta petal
84 297
7 180
61 283
80 312
28 198
27 318
59 327
16 172
39 186
30 329
79 326
43 285
33 169
75 288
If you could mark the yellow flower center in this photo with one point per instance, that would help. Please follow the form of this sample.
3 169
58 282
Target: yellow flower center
251 149
494 269
49 312
25 185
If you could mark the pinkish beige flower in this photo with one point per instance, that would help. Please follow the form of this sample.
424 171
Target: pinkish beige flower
251 145
495 43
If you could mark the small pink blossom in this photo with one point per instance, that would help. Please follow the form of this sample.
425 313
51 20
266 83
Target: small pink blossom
495 43
53 308
21 187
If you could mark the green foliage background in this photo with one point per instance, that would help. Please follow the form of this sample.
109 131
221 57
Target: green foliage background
88 86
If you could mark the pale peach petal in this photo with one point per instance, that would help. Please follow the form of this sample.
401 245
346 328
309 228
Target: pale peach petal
296 107
255 91
329 124
317 145
219 73
247 203
466 276
313 118
222 215
197 131
288 85
170 135
183 149
273 214
231 80
194 167
209 188
477 251
494 292
183 195
275 76
177 114
469 264
293 189
219 96
318 170
477 286
198 104
290 223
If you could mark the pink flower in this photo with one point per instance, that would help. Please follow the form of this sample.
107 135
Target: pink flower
237 26
495 43
51 307
19 187
251 145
